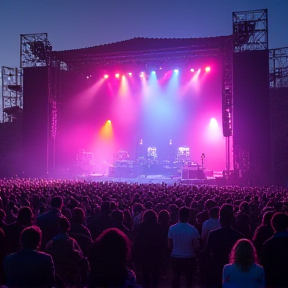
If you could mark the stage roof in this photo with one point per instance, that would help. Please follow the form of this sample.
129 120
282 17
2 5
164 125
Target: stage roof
143 50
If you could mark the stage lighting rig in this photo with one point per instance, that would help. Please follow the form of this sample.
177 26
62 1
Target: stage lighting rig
152 153
183 154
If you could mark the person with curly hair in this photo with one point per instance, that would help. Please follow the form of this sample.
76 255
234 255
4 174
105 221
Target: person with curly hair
108 259
243 270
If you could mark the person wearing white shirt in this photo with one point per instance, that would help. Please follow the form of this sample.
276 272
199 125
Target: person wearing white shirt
183 239
211 224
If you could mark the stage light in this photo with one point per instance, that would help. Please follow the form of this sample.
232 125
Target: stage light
207 69
130 74
117 75
142 74
153 72
109 121
106 76
192 70
176 71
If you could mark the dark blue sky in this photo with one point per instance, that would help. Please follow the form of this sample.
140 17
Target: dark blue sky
82 23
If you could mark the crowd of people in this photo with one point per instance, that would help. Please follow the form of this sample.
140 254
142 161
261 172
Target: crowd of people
71 233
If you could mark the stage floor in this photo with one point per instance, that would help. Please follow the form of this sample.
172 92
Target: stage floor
148 179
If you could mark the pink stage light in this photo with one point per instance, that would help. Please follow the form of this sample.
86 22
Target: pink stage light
142 74
106 76
130 74
207 69
109 121
117 75
192 70
213 123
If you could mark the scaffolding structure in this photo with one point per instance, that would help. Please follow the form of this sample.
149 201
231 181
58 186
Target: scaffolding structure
250 33
278 67
10 129
12 93
35 50
250 30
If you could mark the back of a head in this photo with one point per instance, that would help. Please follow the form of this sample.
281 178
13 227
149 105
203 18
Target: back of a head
108 259
209 204
113 205
173 208
244 207
148 205
57 202
184 214
150 216
214 212
78 214
113 246
266 219
226 214
243 254
30 237
118 216
64 224
163 217
279 222
137 207
25 215
106 208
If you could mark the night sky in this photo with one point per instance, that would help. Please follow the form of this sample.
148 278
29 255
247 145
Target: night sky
82 23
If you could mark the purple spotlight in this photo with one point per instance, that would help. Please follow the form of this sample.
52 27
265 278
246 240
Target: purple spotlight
192 70
176 71
130 74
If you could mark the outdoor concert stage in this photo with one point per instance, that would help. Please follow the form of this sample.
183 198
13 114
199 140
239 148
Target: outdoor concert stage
191 100
160 103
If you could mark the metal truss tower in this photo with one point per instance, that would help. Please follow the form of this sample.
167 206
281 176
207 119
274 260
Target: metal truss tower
250 33
250 30
278 66
227 97
34 50
12 93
